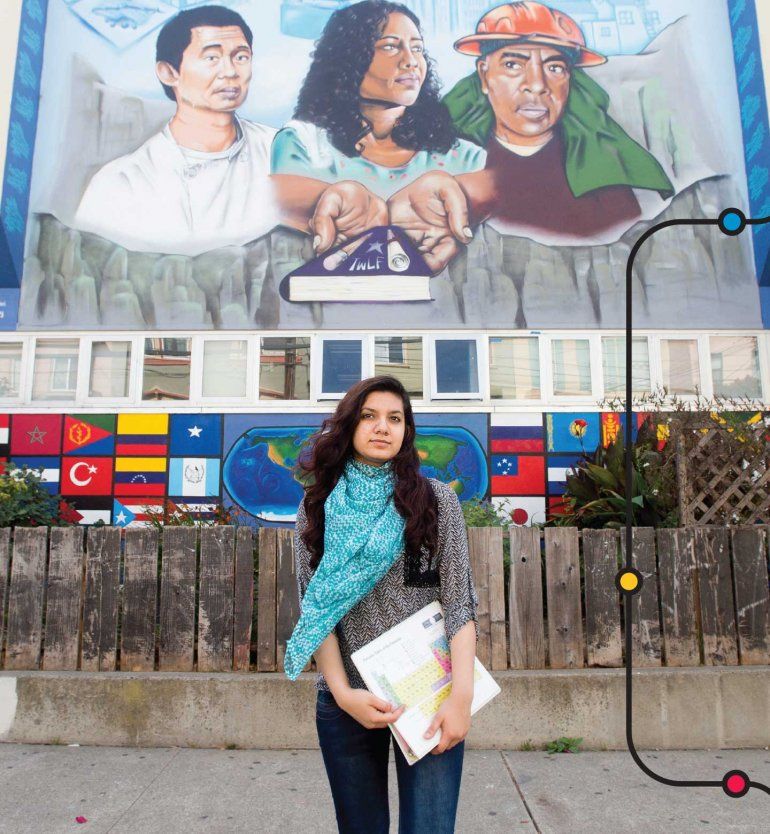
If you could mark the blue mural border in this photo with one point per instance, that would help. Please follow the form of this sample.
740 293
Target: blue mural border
22 132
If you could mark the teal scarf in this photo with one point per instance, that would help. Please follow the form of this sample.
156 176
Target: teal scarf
598 151
363 536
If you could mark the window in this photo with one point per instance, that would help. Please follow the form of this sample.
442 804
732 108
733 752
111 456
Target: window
626 18
284 368
457 366
571 360
342 363
679 360
401 357
56 369
224 368
614 362
110 369
605 31
10 369
514 368
735 366
166 369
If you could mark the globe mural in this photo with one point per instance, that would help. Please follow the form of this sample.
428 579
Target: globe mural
257 471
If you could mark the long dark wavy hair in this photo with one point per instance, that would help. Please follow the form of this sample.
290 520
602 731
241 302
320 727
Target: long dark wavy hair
329 97
322 461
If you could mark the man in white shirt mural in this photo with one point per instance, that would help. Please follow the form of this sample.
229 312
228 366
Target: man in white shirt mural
203 181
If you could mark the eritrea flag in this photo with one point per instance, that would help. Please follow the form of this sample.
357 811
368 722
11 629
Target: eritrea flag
89 434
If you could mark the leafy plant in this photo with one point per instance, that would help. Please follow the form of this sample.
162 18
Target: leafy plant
595 493
25 502
564 744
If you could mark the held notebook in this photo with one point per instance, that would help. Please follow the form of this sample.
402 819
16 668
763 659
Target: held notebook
410 664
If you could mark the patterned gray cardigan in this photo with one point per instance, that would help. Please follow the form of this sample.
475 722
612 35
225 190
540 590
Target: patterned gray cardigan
390 601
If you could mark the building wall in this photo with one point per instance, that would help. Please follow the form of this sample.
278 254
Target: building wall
113 461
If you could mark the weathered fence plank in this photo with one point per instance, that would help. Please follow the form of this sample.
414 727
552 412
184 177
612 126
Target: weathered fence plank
562 575
140 598
749 546
676 569
266 612
498 628
645 616
64 598
5 563
525 600
715 595
100 607
480 542
243 598
600 559
25 598
215 606
177 600
286 602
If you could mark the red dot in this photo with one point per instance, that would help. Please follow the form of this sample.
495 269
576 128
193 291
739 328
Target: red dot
736 783
520 516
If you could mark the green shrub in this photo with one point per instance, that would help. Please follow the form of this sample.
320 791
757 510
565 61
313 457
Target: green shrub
25 502
595 493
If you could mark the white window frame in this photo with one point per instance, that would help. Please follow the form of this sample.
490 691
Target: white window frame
518 401
58 401
762 341
595 369
194 379
425 360
701 346
281 334
84 381
316 361
23 370
482 370
196 369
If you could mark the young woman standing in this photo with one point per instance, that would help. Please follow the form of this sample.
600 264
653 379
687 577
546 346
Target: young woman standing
376 541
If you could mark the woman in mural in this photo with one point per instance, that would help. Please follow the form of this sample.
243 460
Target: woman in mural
375 542
369 107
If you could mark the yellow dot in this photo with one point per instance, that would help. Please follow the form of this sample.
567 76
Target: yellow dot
628 581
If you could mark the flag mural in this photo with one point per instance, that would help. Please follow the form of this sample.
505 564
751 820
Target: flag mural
204 464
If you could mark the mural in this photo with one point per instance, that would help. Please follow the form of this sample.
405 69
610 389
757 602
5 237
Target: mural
119 468
190 156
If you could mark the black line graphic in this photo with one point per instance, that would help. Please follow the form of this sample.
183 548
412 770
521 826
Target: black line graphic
734 783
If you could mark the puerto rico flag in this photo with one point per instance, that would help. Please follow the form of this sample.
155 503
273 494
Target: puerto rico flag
516 433
517 474
142 434
135 511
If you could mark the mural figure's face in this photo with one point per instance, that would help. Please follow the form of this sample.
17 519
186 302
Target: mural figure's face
528 87
215 70
398 66
380 430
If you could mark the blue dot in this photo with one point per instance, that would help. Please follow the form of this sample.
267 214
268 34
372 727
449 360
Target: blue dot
732 221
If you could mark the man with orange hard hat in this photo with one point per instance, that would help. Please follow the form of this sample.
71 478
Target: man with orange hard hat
558 166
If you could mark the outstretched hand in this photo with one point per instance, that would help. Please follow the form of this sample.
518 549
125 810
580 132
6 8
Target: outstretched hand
433 211
344 210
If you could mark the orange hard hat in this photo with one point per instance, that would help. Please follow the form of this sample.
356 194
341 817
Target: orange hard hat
531 23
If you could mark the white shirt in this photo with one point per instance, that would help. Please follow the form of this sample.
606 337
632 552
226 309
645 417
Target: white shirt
173 200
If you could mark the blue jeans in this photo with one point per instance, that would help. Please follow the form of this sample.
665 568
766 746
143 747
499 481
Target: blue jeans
356 761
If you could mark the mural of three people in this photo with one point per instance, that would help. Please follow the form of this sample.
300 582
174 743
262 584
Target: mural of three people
521 184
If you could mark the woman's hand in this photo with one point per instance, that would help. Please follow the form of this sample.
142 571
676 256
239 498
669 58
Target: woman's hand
369 710
454 719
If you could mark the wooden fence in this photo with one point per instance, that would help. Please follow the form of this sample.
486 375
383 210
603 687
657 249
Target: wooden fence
103 599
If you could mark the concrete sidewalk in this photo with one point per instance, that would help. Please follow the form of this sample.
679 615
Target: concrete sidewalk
131 790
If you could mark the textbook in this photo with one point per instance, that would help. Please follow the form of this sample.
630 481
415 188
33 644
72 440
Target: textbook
410 664
378 265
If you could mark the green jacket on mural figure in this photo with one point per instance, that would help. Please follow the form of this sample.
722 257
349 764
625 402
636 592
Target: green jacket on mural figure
557 161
